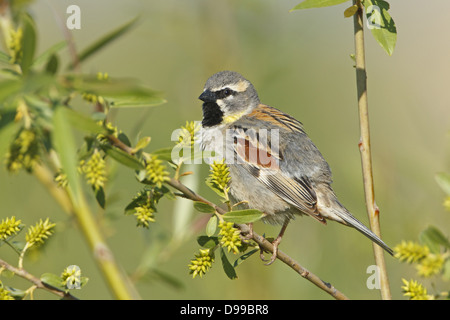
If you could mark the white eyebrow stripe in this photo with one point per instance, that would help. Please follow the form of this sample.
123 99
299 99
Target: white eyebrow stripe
241 86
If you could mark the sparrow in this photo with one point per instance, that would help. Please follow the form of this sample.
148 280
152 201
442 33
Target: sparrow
274 166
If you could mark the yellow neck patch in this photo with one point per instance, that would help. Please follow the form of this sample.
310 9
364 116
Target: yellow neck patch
233 117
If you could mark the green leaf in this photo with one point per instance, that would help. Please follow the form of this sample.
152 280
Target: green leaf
381 24
207 242
9 73
307 4
168 194
98 116
105 40
211 226
142 143
152 98
141 176
163 154
227 267
123 157
124 138
8 88
434 238
243 216
244 257
52 65
163 277
47 54
5 58
119 92
129 209
189 154
64 143
8 130
446 272
14 244
82 122
28 43
443 179
203 207
43 110
17 294
32 83
100 197
350 11
83 281
214 187
53 281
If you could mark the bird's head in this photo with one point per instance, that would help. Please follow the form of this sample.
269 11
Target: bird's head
226 97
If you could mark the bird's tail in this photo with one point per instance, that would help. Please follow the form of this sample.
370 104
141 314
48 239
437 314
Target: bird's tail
334 210
351 221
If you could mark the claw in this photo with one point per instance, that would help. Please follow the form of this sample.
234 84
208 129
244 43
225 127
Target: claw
261 255
275 251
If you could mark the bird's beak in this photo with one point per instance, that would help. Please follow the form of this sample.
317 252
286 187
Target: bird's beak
207 96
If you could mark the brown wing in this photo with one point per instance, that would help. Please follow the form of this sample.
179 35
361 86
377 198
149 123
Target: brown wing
257 156
275 116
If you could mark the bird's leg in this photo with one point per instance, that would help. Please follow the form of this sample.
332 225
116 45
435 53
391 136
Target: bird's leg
249 234
277 241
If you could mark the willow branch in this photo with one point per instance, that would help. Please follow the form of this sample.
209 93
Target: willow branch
36 281
364 147
119 144
264 244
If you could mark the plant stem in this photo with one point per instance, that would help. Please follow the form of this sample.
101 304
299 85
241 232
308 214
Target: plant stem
36 281
103 256
22 254
364 147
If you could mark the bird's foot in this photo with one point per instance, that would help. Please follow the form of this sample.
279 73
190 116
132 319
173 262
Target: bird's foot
275 245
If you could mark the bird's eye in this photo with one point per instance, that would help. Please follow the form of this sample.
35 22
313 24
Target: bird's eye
222 94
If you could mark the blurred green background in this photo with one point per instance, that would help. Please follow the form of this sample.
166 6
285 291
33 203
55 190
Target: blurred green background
299 62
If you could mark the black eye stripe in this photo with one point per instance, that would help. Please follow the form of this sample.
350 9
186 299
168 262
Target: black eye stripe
222 94
212 114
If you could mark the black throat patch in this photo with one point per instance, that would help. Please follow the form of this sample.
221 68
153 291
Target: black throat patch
212 115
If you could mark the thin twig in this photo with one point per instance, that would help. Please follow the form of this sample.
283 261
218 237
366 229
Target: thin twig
36 281
119 144
364 147
75 64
